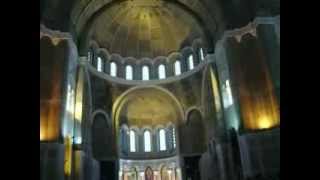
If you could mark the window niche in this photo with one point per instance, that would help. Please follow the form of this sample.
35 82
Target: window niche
113 69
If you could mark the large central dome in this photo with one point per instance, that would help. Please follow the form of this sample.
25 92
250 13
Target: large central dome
144 28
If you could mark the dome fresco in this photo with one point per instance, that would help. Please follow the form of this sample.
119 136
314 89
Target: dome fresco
144 29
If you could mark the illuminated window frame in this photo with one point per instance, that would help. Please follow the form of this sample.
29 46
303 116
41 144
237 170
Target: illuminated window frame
177 68
113 69
145 73
162 140
129 72
147 141
99 64
190 62
162 71
132 136
201 54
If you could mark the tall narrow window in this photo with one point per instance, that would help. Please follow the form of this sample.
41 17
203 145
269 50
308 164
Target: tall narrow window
132 141
145 73
201 54
113 69
228 89
129 72
190 62
174 137
227 95
162 138
177 67
99 64
162 71
147 141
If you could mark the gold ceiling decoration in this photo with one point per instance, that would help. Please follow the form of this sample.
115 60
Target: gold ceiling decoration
142 28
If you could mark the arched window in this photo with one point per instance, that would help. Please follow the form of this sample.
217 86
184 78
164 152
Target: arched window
162 140
190 62
113 69
162 71
228 100
147 141
129 72
201 54
145 73
132 141
99 64
177 67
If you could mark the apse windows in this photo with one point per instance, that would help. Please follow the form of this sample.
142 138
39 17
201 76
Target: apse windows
132 135
113 69
174 137
147 141
99 64
162 71
177 68
129 72
190 62
201 54
162 140
145 73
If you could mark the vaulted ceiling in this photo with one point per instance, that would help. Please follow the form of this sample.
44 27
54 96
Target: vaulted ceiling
144 28
151 19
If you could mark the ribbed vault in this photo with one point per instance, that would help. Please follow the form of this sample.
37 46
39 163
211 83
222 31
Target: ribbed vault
144 28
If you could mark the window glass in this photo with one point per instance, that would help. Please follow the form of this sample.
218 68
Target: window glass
177 68
129 72
201 54
162 138
113 69
132 141
174 137
145 73
162 72
190 61
99 64
147 141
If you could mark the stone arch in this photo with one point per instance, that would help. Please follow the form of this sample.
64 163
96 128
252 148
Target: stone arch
193 133
124 101
101 132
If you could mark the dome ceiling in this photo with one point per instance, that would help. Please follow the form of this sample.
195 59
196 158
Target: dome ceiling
144 28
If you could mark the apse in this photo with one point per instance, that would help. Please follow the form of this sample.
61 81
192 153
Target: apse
147 106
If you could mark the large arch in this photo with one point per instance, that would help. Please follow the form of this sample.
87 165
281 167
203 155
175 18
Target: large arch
193 133
102 141
170 110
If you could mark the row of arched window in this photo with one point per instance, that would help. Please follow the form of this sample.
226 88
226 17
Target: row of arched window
145 73
163 139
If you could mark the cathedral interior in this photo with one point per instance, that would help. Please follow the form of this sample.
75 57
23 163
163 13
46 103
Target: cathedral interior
160 90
